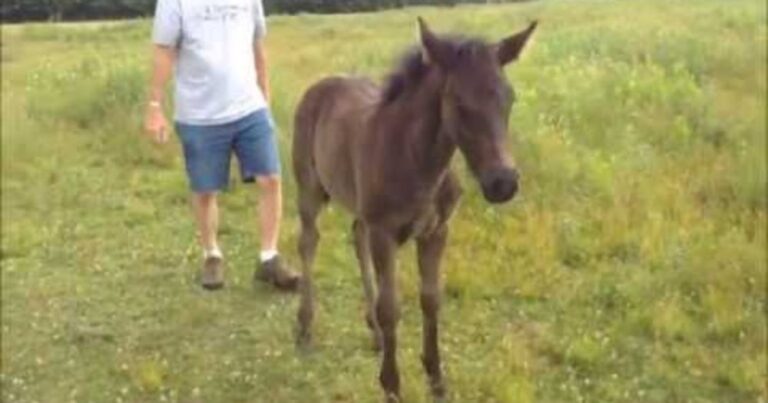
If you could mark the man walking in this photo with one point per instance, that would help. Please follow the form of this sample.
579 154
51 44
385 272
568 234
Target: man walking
222 98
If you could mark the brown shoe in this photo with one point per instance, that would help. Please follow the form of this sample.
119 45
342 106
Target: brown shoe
272 271
212 277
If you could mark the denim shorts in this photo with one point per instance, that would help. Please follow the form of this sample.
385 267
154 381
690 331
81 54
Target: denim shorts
208 151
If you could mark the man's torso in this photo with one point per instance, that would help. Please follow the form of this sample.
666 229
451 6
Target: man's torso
216 74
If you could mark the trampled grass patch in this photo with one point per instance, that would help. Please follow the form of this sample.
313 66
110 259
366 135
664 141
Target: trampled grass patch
632 268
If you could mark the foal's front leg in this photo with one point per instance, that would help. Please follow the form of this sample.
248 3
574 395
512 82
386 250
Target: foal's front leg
430 250
383 248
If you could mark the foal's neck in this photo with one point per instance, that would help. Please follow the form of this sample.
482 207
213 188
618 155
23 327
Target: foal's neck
431 144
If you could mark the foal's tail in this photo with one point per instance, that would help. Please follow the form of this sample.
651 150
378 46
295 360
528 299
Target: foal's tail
303 138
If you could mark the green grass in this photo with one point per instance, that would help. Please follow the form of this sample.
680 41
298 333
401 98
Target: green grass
631 269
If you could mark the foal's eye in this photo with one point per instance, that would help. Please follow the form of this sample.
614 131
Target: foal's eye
495 93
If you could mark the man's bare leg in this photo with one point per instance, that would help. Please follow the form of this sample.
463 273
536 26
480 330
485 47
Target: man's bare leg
270 215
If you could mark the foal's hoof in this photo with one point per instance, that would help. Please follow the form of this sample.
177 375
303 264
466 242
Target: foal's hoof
392 398
377 343
303 340
438 393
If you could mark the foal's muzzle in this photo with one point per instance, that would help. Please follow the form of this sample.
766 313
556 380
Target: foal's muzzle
499 184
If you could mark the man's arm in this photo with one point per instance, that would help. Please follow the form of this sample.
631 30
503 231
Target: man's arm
262 73
163 59
166 36
156 125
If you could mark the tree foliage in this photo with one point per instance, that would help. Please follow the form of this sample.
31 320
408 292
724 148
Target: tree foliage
58 10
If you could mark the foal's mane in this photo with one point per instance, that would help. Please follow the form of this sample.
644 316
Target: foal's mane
412 68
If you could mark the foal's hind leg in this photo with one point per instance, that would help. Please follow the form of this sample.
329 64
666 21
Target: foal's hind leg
363 252
310 204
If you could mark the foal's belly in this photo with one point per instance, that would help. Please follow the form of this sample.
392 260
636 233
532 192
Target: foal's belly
335 147
343 120
335 171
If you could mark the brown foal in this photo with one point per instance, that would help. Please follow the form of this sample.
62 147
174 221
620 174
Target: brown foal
384 154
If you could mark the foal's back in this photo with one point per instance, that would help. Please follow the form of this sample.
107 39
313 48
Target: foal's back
331 119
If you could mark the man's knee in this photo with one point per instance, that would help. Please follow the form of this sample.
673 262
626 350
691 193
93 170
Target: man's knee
205 198
268 183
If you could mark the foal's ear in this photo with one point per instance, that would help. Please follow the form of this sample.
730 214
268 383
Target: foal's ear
509 49
433 49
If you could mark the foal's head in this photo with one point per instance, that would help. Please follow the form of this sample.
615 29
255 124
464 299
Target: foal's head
476 102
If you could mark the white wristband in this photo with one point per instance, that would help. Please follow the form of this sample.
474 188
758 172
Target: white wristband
155 104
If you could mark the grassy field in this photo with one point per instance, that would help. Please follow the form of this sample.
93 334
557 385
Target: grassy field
631 269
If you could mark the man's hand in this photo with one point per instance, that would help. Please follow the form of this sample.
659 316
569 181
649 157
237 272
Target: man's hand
155 123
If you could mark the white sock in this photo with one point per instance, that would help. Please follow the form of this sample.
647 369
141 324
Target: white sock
268 255
214 252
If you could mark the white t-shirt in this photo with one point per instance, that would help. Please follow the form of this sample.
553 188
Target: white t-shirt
215 71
